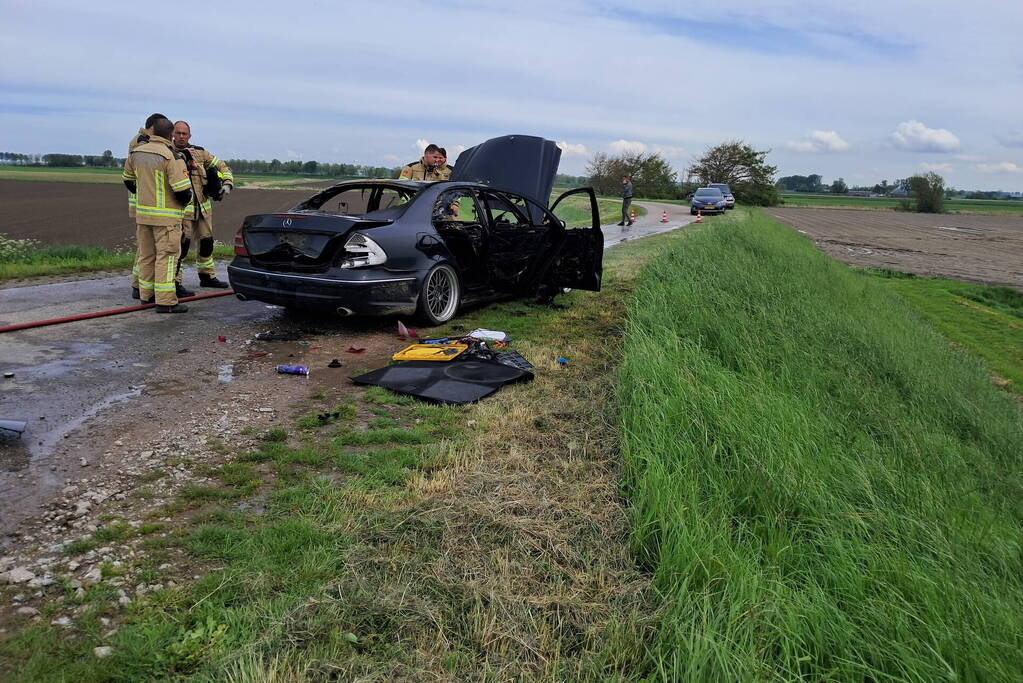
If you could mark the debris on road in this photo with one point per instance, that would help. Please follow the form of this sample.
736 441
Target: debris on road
405 332
293 370
16 426
270 336
334 363
489 335
355 349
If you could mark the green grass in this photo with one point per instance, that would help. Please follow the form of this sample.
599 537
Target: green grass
61 175
986 321
27 259
966 206
822 488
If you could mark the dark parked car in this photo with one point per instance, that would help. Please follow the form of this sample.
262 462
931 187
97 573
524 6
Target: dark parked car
727 192
707 199
390 246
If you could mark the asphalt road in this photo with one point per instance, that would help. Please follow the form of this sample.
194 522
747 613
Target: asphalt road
73 381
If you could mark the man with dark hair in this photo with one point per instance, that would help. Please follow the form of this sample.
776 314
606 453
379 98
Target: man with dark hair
140 138
442 163
626 201
156 174
209 175
429 167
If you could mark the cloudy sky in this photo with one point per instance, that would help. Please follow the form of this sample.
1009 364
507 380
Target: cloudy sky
879 90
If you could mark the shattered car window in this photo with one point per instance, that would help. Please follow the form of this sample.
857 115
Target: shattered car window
457 205
506 209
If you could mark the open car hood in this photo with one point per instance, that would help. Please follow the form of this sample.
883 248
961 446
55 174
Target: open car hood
523 164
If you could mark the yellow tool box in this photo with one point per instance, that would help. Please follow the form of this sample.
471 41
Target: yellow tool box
430 352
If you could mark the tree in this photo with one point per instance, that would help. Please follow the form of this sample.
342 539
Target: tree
839 187
742 168
800 183
652 176
929 192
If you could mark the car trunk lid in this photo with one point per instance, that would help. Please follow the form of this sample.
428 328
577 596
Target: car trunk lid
299 241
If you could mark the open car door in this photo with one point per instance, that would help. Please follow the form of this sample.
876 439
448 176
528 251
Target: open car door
577 253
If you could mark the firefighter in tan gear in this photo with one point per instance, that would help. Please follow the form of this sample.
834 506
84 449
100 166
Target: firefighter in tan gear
156 174
207 174
429 167
139 138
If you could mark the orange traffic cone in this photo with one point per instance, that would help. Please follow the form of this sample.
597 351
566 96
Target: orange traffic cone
632 216
699 216
664 216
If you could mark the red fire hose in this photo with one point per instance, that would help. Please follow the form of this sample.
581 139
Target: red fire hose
101 314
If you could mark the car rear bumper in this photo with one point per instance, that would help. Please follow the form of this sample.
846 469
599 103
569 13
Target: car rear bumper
367 295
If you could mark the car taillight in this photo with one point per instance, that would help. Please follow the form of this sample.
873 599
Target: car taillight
239 243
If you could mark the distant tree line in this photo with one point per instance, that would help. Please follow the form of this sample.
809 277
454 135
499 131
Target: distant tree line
105 160
278 167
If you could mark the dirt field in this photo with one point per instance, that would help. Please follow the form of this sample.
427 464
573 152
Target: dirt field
97 214
983 249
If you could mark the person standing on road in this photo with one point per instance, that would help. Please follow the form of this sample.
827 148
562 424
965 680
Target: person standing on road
626 201
429 167
156 174
140 138
211 180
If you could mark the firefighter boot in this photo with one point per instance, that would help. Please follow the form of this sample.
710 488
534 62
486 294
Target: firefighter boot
207 280
181 291
176 308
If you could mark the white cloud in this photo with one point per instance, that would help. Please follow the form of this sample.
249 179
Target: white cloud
819 141
943 168
671 152
1014 138
455 151
292 154
914 136
968 157
1003 167
569 149
627 147
392 158
421 144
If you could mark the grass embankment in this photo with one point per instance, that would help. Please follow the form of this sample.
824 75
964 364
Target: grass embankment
26 258
824 488
392 540
966 206
987 321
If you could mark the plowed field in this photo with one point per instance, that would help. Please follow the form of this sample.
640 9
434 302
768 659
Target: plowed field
983 249
97 214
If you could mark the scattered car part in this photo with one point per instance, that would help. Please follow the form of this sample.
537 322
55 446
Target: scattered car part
15 426
431 352
463 381
293 370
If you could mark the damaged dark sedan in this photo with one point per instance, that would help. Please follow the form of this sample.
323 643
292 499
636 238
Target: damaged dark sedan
388 246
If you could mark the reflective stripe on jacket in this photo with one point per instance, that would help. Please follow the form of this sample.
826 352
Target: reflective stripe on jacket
158 173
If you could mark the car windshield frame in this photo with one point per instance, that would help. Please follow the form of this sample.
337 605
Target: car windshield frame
705 192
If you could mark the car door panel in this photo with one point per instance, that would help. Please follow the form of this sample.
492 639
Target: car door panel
577 254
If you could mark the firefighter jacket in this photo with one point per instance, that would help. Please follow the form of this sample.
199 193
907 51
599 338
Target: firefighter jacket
420 171
158 173
139 138
200 164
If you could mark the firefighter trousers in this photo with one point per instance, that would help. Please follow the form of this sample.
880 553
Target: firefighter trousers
159 250
200 232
